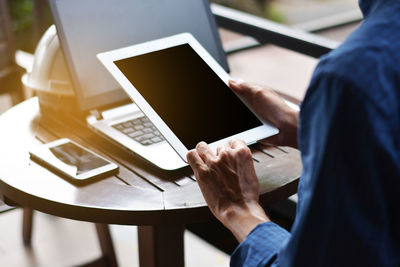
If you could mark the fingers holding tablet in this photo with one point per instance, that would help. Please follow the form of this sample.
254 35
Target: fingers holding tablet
203 154
236 143
171 79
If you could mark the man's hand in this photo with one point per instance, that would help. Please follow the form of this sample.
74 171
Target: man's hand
271 108
229 185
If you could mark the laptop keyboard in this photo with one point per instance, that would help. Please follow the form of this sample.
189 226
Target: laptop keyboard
141 130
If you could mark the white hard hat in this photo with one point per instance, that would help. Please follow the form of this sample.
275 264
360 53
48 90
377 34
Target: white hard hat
49 76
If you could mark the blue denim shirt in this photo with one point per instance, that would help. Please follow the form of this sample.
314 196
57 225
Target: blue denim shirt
348 212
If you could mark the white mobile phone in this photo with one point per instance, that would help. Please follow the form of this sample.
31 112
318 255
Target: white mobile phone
72 160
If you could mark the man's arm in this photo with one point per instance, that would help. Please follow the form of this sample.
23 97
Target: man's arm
270 106
229 183
261 247
228 179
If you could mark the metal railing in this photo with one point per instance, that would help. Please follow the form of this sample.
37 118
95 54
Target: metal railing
265 31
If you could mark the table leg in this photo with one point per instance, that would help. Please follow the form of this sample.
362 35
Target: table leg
27 224
106 245
161 246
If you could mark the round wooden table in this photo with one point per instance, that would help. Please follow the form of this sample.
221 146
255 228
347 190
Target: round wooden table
159 202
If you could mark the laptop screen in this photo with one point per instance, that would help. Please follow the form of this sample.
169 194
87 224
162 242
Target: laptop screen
88 27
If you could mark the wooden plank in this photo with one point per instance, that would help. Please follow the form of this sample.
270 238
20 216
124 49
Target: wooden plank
102 202
184 197
161 179
46 136
259 156
279 171
124 176
184 181
23 182
271 151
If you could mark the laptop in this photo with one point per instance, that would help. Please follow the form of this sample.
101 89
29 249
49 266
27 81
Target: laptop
88 27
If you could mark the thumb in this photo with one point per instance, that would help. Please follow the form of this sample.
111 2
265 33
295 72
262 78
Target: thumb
236 85
247 90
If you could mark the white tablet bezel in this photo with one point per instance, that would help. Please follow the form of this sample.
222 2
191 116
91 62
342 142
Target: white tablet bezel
107 58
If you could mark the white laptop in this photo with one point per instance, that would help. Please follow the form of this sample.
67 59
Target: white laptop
185 93
88 27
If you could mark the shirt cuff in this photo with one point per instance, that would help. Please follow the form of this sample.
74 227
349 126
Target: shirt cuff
261 246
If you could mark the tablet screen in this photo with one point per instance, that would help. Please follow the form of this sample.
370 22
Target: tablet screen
187 94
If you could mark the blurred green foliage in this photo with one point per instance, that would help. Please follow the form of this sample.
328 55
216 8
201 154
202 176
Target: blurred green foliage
262 8
22 22
272 12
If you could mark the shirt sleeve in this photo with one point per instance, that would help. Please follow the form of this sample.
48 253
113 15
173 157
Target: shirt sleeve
261 246
348 192
350 177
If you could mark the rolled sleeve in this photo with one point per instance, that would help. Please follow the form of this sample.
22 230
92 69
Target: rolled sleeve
261 246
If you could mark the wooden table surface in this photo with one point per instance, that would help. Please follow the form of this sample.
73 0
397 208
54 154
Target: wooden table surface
161 202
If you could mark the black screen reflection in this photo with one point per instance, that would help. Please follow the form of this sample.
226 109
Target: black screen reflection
75 156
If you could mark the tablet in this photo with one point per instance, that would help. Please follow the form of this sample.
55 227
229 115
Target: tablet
185 93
